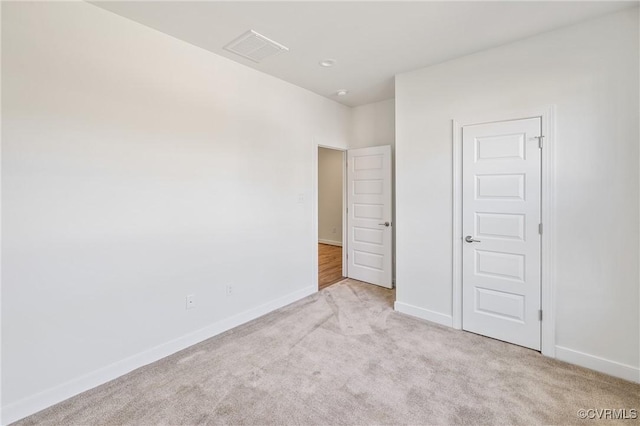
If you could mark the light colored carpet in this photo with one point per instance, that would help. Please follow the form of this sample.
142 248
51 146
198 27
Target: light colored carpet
343 356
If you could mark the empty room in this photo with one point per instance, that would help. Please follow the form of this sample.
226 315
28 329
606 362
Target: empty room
318 213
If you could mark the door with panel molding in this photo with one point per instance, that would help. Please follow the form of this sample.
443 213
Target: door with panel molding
369 215
501 178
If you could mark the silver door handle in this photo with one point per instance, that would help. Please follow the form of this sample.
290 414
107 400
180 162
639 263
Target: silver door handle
387 224
470 239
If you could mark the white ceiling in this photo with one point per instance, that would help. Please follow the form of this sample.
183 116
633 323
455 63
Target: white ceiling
370 41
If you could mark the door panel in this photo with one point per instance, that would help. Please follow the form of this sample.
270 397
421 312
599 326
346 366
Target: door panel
369 207
501 214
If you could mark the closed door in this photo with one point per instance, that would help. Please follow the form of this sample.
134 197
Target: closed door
501 170
369 215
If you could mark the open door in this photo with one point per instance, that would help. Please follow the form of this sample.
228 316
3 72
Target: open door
369 236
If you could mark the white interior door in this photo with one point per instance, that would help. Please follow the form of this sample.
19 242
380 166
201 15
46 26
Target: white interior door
501 171
369 215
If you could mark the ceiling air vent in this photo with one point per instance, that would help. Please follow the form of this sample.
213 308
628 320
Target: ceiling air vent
254 46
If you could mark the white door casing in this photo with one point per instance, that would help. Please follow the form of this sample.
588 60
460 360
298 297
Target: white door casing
501 178
369 224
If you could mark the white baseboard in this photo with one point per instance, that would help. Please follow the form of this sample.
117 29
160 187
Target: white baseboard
49 397
602 365
330 242
425 314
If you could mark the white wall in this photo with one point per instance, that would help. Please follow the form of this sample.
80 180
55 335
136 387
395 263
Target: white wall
373 125
330 188
590 73
137 169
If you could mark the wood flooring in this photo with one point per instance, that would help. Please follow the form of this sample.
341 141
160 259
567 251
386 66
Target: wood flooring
329 265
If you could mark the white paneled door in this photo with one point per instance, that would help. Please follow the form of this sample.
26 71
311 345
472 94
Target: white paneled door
501 171
369 215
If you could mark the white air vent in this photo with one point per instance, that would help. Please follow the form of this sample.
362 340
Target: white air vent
254 46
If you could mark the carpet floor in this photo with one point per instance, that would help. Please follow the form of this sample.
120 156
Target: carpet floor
343 356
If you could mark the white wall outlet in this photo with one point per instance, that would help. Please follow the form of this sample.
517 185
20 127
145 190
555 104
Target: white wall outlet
334 230
191 301
229 290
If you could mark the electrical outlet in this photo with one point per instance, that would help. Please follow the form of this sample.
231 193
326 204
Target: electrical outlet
191 301
334 230
229 290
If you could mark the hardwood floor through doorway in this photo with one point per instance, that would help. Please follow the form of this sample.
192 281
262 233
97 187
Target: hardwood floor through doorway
329 265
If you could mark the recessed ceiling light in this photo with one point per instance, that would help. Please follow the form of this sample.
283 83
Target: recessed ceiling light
342 92
327 63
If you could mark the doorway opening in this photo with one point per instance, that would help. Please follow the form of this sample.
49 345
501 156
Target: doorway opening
331 220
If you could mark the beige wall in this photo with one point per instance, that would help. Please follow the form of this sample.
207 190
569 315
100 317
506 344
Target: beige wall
330 189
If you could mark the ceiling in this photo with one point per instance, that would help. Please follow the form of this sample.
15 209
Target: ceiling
371 41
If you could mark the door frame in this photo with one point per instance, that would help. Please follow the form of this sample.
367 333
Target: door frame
547 201
316 206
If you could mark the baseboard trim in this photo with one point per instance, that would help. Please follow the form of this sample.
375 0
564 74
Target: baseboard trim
49 397
330 242
425 314
602 365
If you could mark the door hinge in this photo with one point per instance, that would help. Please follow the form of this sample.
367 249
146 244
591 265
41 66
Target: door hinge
540 228
539 314
540 138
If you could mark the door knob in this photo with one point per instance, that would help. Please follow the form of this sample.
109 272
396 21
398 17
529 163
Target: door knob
470 239
387 224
